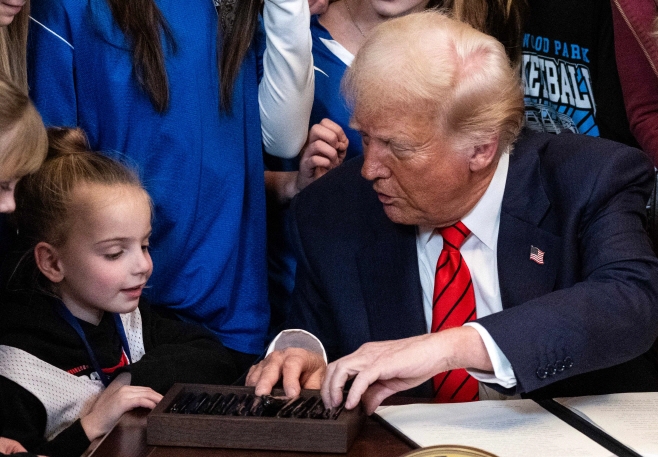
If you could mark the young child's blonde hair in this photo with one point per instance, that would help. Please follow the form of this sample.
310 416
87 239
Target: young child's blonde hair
23 139
44 199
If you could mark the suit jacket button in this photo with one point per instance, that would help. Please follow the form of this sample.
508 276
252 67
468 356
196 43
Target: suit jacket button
551 370
559 366
568 362
542 373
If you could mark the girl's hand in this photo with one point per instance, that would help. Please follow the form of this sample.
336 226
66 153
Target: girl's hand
8 446
118 398
325 149
318 6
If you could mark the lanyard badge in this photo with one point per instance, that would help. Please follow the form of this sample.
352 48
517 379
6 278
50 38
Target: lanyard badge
64 312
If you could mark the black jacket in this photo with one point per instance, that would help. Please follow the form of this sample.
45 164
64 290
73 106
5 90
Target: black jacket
174 352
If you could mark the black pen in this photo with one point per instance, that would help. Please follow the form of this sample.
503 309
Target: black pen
272 405
289 407
219 404
245 405
318 411
301 409
335 412
230 400
210 404
198 403
314 409
233 407
177 407
256 407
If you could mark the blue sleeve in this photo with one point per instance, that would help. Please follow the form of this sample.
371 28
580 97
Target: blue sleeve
51 66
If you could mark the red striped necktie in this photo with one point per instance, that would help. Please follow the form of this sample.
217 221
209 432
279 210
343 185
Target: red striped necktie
453 305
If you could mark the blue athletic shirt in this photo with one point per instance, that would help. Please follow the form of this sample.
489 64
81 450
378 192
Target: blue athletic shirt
329 102
202 168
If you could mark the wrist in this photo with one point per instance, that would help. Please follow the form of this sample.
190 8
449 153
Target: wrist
297 338
90 427
462 347
124 378
294 186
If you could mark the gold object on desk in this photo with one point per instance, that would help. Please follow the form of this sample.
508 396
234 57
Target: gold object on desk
449 450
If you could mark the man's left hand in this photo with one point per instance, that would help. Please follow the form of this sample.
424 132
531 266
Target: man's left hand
384 368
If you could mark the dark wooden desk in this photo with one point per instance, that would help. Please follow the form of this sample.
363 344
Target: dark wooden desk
128 439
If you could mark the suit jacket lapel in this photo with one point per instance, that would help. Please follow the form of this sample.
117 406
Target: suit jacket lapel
525 209
390 282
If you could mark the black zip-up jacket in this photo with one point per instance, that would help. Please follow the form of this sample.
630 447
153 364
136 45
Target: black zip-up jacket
174 352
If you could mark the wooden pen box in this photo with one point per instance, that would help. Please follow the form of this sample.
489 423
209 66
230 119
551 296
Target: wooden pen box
248 432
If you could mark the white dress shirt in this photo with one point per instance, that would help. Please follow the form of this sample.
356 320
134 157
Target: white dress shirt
480 254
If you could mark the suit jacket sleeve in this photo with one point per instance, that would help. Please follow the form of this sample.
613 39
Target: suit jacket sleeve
309 310
329 223
606 314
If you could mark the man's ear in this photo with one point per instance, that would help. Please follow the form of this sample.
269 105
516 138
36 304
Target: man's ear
47 259
483 155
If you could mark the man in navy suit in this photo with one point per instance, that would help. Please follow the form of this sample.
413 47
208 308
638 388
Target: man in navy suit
565 281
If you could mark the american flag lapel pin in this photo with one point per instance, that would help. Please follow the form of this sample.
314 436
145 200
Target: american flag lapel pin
537 255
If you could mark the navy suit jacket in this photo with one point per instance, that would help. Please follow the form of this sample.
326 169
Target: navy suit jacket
578 324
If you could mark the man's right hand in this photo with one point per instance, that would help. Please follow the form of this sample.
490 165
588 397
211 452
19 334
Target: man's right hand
297 367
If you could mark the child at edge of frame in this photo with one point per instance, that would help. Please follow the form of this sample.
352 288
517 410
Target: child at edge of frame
79 347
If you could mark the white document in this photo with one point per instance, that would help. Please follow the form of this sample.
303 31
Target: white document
511 428
630 418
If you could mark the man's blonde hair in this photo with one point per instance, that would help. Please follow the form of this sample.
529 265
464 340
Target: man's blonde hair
442 70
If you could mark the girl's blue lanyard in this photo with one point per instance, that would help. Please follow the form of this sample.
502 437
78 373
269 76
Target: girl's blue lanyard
63 311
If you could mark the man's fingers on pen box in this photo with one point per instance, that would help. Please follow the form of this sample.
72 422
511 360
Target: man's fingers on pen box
375 395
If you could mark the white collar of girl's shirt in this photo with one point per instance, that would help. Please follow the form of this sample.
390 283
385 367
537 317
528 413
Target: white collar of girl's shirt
339 51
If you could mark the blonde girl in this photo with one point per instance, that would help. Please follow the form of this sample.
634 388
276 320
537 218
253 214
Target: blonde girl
23 141
23 145
78 346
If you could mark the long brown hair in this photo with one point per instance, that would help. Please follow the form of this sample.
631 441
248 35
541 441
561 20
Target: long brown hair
502 19
143 23
13 44
237 40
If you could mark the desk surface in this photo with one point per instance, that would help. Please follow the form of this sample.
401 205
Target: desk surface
128 439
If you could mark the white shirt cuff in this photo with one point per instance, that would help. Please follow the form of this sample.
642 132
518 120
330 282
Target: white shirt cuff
503 373
297 338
